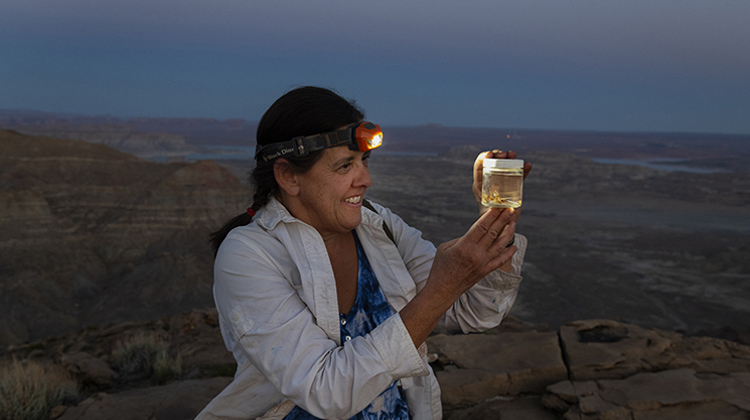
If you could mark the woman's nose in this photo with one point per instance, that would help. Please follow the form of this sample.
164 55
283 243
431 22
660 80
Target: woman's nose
363 178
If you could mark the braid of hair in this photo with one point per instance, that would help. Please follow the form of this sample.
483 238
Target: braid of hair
265 185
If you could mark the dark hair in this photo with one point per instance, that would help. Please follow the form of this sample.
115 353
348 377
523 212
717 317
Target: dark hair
303 111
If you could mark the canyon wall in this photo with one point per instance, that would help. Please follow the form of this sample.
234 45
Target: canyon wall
92 235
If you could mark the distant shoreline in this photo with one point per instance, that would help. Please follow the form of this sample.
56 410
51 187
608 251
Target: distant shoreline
661 164
232 152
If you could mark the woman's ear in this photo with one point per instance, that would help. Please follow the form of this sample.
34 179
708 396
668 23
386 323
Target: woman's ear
286 177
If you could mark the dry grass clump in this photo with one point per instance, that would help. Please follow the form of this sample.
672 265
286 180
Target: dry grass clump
147 354
29 391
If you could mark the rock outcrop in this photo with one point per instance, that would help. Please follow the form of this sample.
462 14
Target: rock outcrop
477 366
670 394
178 400
121 136
592 369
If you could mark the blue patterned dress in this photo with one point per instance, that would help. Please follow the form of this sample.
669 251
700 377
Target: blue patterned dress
369 310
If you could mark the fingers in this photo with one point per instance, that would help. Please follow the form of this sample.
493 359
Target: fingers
489 226
502 241
500 250
494 244
504 255
499 154
478 166
478 162
498 231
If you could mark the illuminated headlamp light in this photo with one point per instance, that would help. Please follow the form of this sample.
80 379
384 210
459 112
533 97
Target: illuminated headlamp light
361 136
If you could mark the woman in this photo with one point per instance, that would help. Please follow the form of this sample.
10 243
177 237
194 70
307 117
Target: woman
326 303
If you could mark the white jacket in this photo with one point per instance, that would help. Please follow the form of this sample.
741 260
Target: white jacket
276 297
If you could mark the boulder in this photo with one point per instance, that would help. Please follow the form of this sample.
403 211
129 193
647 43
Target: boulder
600 349
670 394
477 367
503 408
465 387
179 400
88 369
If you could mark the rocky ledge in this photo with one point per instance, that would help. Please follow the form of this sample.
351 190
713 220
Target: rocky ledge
592 369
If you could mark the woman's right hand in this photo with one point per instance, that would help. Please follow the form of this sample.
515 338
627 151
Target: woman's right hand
458 265
462 262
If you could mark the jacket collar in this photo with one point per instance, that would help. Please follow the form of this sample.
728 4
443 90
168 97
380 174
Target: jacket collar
274 213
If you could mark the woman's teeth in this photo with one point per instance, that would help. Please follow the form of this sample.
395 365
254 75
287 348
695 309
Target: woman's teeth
353 200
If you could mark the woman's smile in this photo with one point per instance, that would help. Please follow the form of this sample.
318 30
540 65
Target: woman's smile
353 200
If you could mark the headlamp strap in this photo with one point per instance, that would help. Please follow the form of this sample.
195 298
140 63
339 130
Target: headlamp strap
331 139
304 145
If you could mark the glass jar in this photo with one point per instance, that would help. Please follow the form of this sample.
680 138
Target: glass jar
502 183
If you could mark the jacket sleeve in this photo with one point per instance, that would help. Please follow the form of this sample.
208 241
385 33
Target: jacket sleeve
484 305
277 332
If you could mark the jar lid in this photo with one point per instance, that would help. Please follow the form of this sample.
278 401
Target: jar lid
503 163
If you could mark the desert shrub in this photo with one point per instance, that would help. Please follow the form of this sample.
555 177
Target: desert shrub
28 391
36 346
166 368
146 354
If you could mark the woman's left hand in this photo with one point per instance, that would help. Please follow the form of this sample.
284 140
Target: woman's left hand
478 165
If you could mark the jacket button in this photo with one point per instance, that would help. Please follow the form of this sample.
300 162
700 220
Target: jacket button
347 338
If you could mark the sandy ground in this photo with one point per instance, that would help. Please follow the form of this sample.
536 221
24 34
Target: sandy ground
653 268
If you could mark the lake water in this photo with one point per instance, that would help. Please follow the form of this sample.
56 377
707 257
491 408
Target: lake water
660 164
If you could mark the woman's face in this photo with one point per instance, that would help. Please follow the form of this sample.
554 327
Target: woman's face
331 192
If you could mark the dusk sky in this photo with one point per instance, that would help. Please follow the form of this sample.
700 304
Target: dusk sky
636 65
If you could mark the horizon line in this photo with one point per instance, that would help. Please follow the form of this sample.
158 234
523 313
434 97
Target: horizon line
400 126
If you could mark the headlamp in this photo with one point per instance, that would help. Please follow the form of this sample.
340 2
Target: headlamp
362 136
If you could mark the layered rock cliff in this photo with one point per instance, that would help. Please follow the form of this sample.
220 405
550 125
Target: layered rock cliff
121 136
92 235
